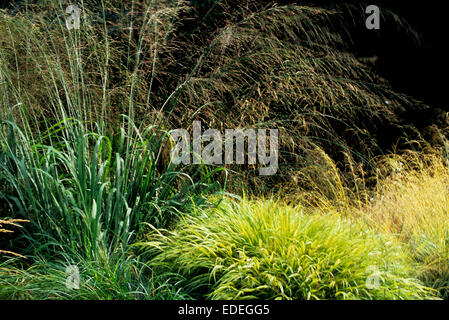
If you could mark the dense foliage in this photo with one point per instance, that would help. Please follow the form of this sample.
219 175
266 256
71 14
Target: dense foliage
85 139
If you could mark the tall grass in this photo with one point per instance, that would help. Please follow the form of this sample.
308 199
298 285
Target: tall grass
78 164
407 197
291 67
413 203
91 194
85 118
79 177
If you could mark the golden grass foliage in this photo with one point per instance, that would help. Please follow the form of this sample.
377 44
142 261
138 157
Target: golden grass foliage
89 74
289 67
413 203
264 249
408 198
4 228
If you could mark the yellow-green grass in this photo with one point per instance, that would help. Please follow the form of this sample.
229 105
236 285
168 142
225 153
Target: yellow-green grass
267 250
413 203
409 200
89 185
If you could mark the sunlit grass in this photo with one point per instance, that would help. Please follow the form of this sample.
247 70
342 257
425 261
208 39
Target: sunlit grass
413 203
407 197
85 116
265 250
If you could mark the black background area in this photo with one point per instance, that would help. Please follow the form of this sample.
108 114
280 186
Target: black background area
418 70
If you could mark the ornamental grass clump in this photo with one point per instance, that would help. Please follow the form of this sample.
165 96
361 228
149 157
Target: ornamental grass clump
412 202
76 157
267 250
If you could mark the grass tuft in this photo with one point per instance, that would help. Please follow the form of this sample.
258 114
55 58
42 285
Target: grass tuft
267 250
